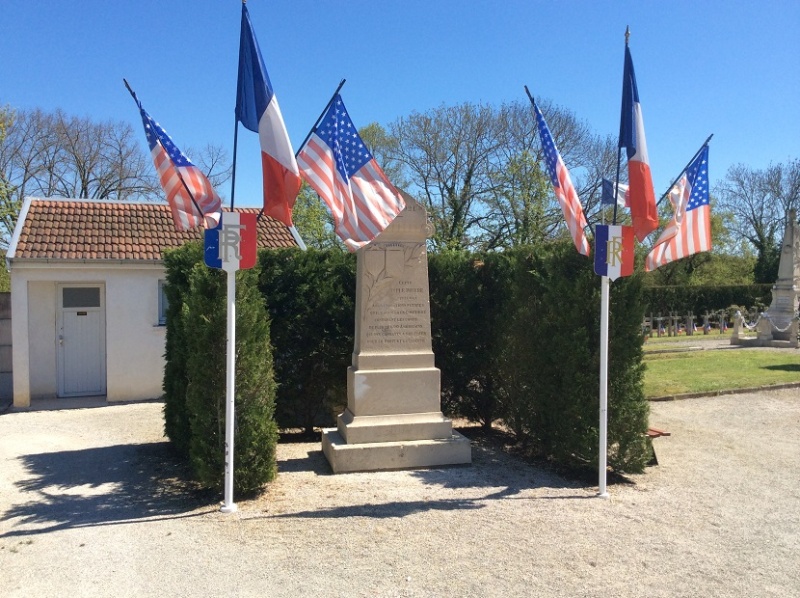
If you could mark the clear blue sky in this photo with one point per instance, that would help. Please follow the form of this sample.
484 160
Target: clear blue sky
731 68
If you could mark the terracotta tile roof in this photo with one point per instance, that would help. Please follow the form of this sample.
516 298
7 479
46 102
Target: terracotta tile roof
106 230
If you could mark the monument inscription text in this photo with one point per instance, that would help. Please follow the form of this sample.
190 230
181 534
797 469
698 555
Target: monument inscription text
396 313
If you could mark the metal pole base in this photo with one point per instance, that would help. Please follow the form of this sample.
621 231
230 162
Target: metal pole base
231 508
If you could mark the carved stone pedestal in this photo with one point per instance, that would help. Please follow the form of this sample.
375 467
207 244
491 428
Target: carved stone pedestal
393 418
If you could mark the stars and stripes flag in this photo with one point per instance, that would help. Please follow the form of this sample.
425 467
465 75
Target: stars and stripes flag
690 229
641 196
258 110
339 167
191 197
563 187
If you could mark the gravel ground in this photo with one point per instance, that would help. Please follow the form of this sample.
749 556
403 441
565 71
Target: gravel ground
91 504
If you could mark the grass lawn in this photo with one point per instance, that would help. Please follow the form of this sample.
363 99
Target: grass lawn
712 370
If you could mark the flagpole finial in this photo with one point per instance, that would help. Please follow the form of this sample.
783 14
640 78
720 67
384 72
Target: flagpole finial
627 34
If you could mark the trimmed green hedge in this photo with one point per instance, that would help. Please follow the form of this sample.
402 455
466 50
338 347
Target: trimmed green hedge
194 377
518 340
311 300
470 295
179 264
701 299
515 334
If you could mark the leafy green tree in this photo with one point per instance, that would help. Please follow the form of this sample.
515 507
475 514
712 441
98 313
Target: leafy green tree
313 221
10 202
523 211
5 277
589 157
8 209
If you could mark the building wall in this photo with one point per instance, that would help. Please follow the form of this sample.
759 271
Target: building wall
6 393
134 340
41 327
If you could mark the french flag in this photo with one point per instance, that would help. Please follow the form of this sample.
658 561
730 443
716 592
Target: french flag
642 197
257 109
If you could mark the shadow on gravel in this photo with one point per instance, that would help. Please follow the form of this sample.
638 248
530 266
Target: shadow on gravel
315 462
104 486
385 510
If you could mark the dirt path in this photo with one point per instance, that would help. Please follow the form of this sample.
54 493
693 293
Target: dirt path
89 507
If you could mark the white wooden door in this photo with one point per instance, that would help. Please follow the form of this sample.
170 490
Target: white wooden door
80 334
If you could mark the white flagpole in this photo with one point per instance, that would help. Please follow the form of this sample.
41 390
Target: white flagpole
604 292
297 238
229 506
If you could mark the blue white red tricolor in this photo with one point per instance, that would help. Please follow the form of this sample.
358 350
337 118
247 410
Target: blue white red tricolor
258 110
642 199
613 250
563 187
191 197
233 244
340 168
611 191
690 229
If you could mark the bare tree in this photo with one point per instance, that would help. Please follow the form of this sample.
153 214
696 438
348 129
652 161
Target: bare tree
448 154
383 147
214 162
480 171
56 155
759 202
588 157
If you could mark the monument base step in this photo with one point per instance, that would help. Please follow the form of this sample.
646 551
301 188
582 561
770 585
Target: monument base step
393 428
378 456
758 342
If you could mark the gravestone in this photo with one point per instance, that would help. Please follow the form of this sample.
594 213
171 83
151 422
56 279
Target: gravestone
393 418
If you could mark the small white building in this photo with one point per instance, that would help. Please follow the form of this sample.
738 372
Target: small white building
87 302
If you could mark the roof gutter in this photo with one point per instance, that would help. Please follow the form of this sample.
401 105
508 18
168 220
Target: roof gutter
42 262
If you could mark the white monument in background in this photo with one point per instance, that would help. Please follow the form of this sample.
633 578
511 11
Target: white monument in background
393 418
778 326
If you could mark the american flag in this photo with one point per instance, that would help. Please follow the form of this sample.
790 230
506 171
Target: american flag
562 185
186 187
690 229
340 168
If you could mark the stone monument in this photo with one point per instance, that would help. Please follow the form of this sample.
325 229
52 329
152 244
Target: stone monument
778 327
393 418
785 291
